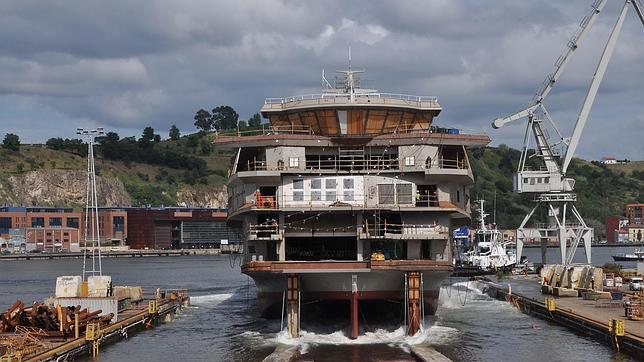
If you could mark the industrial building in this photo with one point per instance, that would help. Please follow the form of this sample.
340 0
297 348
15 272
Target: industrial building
626 229
180 228
55 229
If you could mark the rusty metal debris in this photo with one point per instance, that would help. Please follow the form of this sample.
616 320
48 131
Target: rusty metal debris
24 330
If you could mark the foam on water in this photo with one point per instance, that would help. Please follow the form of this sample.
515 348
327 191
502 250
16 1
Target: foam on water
456 295
432 334
210 299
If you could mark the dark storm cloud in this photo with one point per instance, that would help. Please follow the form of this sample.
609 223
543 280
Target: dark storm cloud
125 65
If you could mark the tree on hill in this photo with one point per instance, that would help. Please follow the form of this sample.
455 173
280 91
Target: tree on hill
74 145
203 120
255 120
174 133
157 138
147 137
148 134
11 142
224 117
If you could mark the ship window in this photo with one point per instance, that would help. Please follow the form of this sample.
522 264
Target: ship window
316 184
316 195
298 184
347 194
342 121
525 180
410 161
404 194
547 180
330 183
298 195
386 194
531 180
458 196
294 162
330 195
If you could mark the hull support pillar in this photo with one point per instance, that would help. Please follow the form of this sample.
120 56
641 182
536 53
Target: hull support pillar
413 303
293 305
354 306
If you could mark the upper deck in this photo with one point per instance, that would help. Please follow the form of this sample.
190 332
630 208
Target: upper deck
371 99
346 114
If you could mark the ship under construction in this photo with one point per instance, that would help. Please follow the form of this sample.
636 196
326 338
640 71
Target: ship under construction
349 195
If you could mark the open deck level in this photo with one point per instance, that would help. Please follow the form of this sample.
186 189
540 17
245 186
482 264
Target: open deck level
584 316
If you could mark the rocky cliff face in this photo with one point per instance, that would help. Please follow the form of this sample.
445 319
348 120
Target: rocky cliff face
68 188
60 188
202 196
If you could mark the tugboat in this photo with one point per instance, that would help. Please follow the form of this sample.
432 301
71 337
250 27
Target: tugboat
488 252
637 255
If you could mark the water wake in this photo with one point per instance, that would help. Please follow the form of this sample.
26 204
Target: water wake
210 299
433 334
457 295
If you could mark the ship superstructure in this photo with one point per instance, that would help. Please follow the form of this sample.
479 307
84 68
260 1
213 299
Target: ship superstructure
350 194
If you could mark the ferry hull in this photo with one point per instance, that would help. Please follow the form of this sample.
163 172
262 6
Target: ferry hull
386 286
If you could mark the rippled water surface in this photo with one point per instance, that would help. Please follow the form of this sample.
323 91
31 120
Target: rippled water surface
221 324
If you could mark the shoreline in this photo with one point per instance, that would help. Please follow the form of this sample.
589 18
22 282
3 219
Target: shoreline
580 245
135 253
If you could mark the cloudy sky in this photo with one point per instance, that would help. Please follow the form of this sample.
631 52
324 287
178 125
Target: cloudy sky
127 64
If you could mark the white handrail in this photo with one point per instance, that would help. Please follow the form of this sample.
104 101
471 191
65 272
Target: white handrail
397 96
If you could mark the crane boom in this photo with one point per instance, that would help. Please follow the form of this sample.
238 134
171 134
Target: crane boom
594 85
639 8
560 64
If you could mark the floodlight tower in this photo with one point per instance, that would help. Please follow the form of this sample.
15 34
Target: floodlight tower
92 230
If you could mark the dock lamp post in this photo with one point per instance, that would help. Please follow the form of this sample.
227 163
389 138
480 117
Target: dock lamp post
91 203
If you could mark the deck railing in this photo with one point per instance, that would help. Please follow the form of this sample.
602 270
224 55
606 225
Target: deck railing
403 229
343 98
266 202
454 163
426 200
264 230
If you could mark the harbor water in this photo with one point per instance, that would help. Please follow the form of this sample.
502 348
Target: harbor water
221 324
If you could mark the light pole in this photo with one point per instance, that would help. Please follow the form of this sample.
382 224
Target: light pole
91 203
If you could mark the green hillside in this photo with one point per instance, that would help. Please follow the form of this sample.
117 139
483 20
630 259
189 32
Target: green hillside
601 190
152 173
